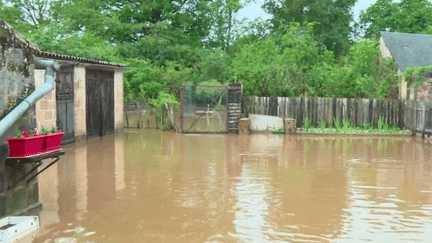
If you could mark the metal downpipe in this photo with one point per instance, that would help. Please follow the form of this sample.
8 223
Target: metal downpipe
51 67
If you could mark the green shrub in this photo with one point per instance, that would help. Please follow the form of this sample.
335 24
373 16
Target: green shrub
306 124
346 127
337 125
18 134
366 126
323 125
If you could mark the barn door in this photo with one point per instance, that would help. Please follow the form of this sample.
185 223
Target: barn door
65 103
100 102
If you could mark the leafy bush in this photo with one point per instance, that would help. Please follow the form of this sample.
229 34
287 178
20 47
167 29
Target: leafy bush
18 134
160 103
322 125
337 125
306 124
346 127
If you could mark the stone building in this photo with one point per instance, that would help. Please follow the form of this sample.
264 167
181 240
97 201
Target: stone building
16 81
87 101
409 50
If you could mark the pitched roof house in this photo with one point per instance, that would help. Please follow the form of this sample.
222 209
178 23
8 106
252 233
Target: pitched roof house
408 50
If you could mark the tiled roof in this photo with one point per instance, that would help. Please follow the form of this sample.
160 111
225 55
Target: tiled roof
78 59
409 50
13 38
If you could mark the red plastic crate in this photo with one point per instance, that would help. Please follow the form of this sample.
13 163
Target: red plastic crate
25 147
53 141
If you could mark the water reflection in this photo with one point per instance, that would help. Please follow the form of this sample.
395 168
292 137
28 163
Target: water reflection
151 186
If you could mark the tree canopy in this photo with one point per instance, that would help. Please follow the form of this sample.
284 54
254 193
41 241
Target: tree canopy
333 18
304 49
406 16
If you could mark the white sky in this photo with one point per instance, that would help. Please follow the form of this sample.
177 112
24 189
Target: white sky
253 10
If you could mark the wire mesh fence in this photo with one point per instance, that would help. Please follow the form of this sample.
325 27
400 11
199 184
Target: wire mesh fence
203 109
139 115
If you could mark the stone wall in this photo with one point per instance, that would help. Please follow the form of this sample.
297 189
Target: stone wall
46 112
403 86
16 65
16 76
80 101
423 92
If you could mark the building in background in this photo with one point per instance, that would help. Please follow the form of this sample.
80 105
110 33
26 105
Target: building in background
409 50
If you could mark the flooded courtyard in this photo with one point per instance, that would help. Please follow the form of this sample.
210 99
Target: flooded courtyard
153 186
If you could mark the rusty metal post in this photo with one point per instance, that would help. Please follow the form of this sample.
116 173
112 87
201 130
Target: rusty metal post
181 108
227 108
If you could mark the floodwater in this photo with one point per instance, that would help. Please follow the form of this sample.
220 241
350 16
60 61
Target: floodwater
152 186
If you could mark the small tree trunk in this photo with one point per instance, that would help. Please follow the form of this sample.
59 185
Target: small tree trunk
170 114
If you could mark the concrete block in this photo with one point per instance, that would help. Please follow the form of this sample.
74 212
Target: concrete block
48 115
290 126
244 126
262 123
43 104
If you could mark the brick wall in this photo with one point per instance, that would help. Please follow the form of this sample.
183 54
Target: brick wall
80 101
46 112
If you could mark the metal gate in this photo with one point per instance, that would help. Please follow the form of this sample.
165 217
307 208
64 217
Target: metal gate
65 103
203 109
100 102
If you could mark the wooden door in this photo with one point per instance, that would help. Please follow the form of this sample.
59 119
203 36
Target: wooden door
100 102
65 103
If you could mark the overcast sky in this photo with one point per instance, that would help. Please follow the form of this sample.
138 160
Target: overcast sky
253 10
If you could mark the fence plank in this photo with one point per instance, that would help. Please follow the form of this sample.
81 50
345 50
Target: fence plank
317 110
287 106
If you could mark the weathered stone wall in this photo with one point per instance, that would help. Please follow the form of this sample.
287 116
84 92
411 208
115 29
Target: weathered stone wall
80 101
424 91
46 108
403 86
16 75
385 52
16 65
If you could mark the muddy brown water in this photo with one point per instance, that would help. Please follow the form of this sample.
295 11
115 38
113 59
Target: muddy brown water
152 186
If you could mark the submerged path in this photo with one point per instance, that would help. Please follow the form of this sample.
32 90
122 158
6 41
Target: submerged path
152 186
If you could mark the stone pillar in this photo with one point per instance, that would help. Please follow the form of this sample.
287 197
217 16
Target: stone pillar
80 101
118 100
290 126
46 107
244 126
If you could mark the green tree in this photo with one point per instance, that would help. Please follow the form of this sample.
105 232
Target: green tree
333 18
214 65
363 73
291 64
222 14
406 16
33 12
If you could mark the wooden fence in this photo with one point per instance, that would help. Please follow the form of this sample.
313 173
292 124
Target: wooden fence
419 117
357 111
